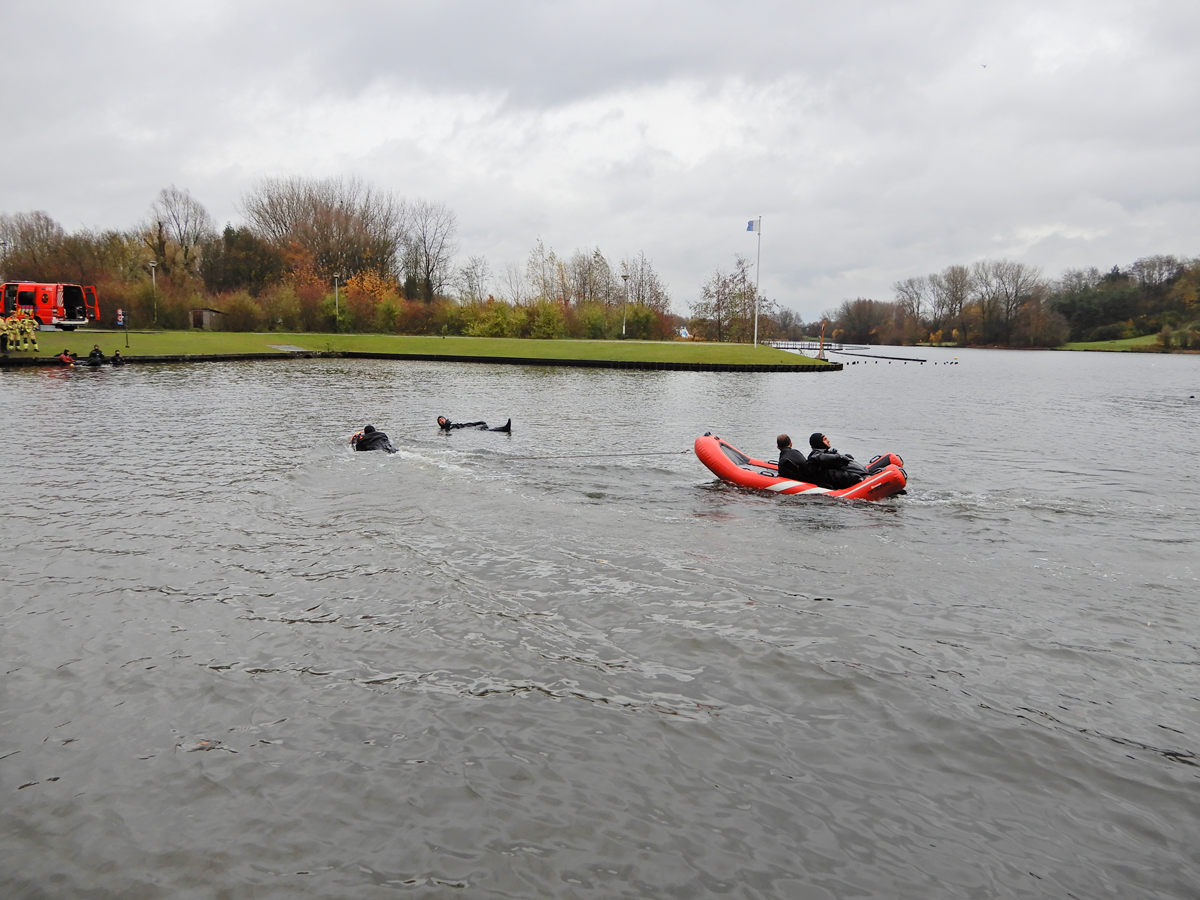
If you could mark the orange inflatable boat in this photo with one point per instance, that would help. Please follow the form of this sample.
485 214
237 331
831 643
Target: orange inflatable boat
730 464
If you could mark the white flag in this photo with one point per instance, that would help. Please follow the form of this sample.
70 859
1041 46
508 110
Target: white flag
754 225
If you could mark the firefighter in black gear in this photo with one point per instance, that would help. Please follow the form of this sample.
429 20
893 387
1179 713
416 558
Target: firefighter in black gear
370 439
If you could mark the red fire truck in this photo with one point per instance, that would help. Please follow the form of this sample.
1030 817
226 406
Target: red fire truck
65 306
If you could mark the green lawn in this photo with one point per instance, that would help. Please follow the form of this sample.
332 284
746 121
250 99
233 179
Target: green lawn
167 343
1146 340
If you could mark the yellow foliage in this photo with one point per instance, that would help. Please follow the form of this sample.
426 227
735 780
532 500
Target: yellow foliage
373 285
1187 289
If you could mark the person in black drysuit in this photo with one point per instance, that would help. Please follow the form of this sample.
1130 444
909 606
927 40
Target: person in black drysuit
96 357
792 463
370 439
117 358
837 470
447 426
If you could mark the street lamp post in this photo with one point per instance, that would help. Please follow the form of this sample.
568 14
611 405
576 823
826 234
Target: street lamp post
624 303
757 266
154 290
337 312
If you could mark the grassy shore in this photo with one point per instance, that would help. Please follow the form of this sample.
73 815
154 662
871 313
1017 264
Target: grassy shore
170 343
1146 340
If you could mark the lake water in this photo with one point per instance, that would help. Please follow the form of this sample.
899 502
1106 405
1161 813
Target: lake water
241 661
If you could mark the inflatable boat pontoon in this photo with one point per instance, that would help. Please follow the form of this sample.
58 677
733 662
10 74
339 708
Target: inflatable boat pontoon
730 464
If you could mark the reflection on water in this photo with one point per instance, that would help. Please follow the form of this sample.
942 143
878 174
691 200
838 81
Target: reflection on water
243 661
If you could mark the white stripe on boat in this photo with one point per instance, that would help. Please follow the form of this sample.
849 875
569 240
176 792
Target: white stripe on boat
784 485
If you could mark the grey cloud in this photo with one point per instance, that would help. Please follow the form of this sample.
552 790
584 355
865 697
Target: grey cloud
892 150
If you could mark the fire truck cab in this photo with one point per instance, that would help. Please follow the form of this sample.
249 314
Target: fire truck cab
65 306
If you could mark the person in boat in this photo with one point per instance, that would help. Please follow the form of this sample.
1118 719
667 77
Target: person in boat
66 358
792 463
447 426
837 470
117 358
370 439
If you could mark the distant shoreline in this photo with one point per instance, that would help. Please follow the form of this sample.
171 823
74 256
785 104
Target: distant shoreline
201 346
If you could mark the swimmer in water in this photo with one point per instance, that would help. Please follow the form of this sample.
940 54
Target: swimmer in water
370 439
447 426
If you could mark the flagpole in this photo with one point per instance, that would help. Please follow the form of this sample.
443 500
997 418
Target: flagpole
757 267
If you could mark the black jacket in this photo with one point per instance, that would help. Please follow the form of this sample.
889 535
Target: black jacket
451 426
376 440
792 464
835 470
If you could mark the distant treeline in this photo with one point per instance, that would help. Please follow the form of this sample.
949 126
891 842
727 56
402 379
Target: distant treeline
335 254
1008 304
340 254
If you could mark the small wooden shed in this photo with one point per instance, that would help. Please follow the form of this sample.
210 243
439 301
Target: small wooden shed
207 319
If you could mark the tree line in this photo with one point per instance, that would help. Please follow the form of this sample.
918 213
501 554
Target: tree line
335 254
1011 304
395 267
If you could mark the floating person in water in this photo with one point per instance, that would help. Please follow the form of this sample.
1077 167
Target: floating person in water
117 358
835 470
447 426
370 439
792 463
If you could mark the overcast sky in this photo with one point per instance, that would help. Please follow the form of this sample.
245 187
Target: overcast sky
876 140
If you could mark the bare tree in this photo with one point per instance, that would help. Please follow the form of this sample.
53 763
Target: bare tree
865 321
177 225
985 297
645 286
951 290
914 299
541 272
590 279
513 286
474 279
1156 271
33 242
912 295
585 277
790 325
1015 283
726 306
432 245
345 226
712 310
1074 280
86 257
